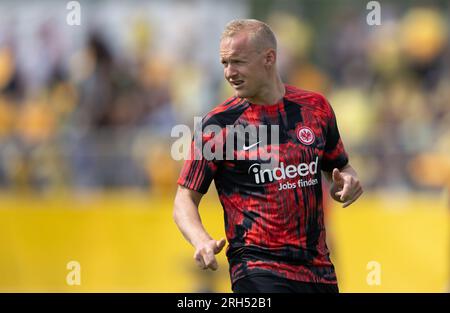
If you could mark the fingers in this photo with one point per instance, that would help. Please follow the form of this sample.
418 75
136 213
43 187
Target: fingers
219 245
353 198
205 256
337 176
205 259
213 265
344 193
210 259
357 191
350 192
199 260
349 186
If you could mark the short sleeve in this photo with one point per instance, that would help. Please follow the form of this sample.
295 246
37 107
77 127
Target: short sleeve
198 170
334 155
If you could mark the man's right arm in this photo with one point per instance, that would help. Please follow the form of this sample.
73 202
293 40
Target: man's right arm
187 218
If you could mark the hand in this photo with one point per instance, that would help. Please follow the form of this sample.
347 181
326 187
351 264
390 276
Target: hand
345 187
205 254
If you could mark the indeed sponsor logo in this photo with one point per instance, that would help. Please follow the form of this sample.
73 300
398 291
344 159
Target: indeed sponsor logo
278 173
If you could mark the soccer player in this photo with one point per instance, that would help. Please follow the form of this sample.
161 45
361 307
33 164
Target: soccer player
273 216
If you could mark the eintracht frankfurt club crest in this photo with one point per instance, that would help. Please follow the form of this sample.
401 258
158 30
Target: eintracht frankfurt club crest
305 135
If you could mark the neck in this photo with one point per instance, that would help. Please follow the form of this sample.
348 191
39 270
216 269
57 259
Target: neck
270 94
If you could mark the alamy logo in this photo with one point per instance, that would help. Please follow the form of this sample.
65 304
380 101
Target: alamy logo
226 142
306 135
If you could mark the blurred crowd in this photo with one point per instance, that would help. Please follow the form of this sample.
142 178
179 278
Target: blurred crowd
92 106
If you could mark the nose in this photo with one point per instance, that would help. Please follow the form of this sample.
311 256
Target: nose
230 72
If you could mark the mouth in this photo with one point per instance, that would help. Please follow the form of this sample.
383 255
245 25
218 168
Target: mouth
236 84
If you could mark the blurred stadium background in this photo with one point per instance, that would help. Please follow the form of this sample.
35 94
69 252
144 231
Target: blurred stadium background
86 113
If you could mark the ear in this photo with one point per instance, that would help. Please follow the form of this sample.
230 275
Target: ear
270 57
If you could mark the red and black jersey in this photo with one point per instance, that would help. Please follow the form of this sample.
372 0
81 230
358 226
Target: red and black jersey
273 216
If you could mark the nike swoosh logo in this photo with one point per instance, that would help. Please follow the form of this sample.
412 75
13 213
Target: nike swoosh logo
245 148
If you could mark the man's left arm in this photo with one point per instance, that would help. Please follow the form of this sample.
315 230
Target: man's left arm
345 186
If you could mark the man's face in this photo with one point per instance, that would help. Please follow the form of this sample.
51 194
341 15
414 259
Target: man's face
243 66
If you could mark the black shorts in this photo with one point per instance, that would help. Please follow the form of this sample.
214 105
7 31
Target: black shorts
268 283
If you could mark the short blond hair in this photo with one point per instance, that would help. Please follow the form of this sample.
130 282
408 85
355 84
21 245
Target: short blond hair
259 32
